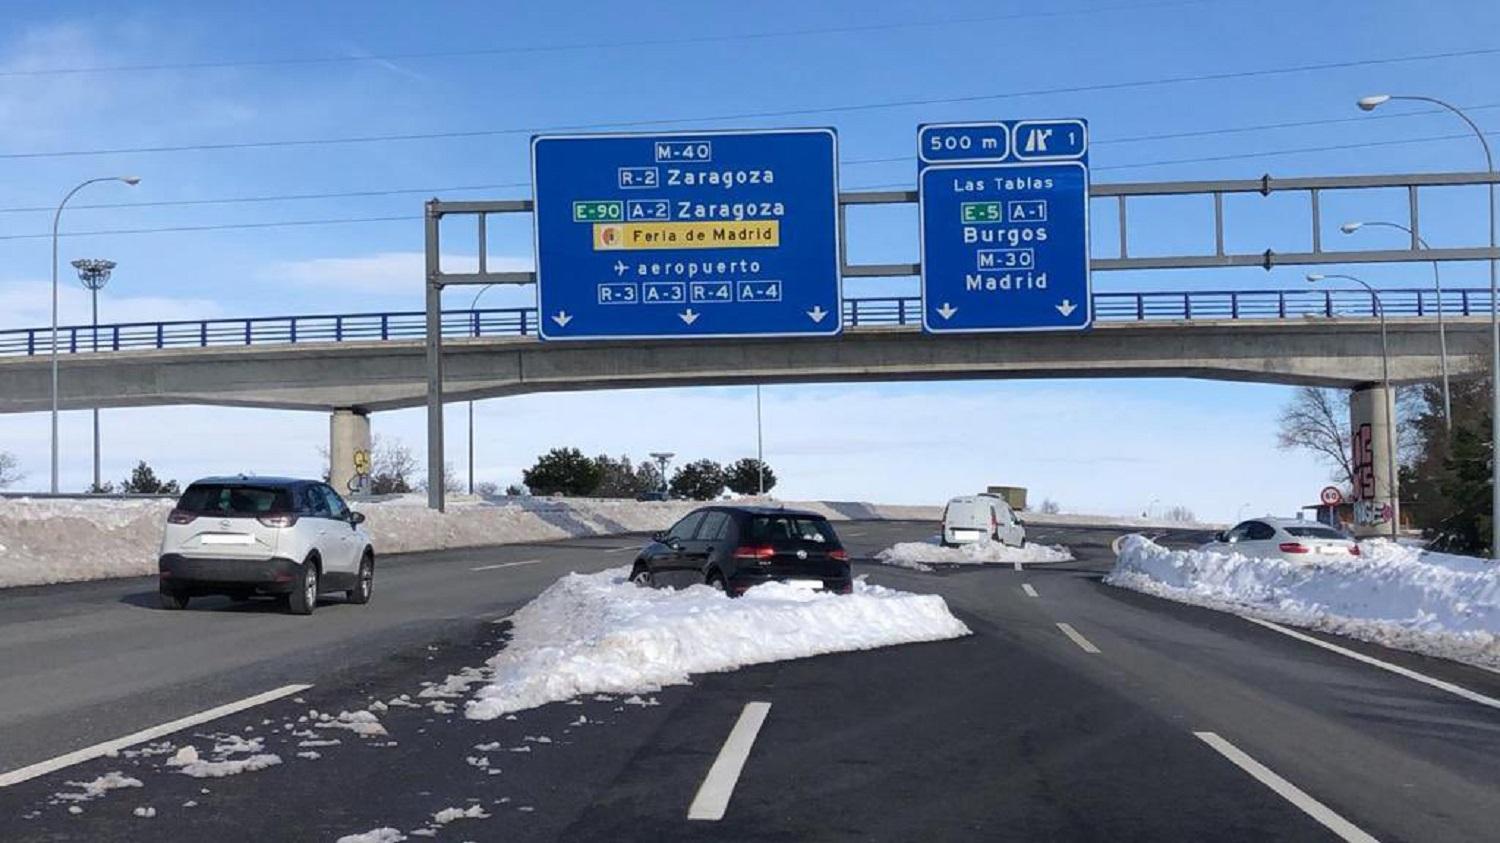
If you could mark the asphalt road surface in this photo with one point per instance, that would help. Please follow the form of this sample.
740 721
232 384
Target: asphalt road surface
1140 719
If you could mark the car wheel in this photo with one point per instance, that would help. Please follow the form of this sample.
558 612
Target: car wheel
365 585
304 596
716 582
174 600
641 576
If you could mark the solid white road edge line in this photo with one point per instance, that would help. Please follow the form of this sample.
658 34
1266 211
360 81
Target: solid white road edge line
506 565
42 768
1286 790
621 549
713 795
1068 630
1026 587
1451 688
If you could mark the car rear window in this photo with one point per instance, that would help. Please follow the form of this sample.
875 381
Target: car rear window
234 499
1316 533
790 528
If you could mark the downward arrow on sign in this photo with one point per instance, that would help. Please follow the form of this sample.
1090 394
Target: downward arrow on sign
817 313
947 310
1066 308
688 316
562 319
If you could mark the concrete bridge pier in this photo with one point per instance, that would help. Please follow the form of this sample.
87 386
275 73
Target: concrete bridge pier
349 451
1376 493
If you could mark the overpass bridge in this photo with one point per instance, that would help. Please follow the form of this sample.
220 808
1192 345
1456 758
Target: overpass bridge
370 362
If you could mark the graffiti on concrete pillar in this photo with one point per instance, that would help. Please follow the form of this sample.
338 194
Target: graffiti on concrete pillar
359 481
1366 511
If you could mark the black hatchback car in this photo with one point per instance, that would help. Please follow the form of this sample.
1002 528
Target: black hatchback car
733 548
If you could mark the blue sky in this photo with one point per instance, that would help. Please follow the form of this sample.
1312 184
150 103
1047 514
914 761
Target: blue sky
566 64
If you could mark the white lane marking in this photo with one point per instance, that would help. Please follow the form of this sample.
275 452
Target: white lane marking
504 619
713 795
1286 790
42 768
621 549
1370 660
1018 565
1068 630
507 565
1026 587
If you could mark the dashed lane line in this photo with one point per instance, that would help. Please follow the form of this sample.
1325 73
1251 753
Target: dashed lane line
1077 638
1286 790
1026 587
713 795
42 768
1451 688
507 565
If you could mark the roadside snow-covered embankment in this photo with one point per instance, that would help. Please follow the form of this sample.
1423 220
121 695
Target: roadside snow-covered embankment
600 633
1442 605
922 555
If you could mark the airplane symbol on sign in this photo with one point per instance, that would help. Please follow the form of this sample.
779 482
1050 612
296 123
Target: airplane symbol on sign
1036 140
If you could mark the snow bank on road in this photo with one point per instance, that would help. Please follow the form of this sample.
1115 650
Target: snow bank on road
1446 606
599 633
922 555
47 541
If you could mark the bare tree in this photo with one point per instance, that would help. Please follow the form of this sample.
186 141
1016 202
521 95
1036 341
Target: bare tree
10 470
1180 515
1317 420
1050 507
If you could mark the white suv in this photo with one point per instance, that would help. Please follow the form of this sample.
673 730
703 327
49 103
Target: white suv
242 536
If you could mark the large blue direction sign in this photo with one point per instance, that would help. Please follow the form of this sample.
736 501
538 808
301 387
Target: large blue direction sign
1005 226
695 234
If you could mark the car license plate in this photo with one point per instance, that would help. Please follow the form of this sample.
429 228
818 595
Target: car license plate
227 538
806 585
965 534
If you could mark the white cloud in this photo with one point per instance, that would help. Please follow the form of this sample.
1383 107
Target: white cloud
381 273
28 304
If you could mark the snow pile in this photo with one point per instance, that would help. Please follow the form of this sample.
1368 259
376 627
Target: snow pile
113 780
921 555
46 541
384 834
599 633
1442 605
224 761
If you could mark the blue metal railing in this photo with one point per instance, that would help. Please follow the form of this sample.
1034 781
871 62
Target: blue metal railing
894 310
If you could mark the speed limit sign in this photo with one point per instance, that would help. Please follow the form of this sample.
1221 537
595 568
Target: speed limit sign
1331 496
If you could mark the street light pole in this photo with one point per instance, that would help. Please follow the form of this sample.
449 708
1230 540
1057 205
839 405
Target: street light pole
1390 397
1437 283
1370 104
57 217
472 305
94 274
760 453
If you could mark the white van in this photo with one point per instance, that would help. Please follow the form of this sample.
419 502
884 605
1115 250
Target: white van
981 518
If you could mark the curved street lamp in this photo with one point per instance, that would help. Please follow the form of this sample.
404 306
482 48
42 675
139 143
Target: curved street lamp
1437 283
130 180
1370 103
1385 381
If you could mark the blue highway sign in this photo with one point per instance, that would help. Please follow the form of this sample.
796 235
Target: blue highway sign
694 234
1004 216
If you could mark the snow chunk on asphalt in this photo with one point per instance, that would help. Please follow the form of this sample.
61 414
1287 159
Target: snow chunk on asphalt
145 811
920 555
1433 603
361 723
189 763
599 633
113 780
448 815
384 834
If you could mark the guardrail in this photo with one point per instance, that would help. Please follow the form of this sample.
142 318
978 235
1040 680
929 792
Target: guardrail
893 310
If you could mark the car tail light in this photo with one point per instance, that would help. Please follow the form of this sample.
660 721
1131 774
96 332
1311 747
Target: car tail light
1293 547
1353 550
281 520
754 551
839 554
177 516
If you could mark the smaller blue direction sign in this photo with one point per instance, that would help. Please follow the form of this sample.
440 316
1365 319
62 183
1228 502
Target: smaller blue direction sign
1004 226
693 234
